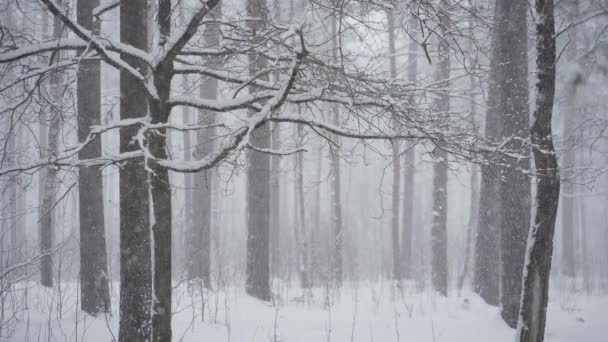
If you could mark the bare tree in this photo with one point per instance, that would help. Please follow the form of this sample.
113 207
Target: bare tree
49 185
135 248
439 232
511 82
409 169
258 179
335 179
535 291
251 50
397 268
95 291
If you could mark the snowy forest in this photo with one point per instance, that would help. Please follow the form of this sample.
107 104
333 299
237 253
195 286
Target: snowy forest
303 170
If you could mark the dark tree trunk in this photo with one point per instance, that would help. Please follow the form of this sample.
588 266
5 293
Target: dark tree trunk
95 295
535 292
135 254
258 184
487 243
439 233
511 82
159 189
160 193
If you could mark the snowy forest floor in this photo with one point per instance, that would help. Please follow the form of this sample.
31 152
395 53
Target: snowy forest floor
365 312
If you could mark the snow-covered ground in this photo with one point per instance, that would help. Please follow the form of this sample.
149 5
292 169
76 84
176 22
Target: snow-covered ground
363 313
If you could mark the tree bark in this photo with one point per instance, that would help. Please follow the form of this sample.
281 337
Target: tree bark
47 236
474 197
535 292
511 72
159 187
135 251
13 201
95 295
199 259
258 182
335 181
568 204
275 208
440 172
409 171
301 233
396 158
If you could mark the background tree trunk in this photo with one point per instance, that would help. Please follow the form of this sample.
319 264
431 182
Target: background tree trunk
200 241
275 180
535 295
396 158
12 204
409 171
302 235
568 203
335 180
49 186
95 293
135 254
258 182
439 234
474 197
275 205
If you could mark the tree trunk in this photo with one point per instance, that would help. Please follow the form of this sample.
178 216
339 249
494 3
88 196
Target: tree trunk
511 72
258 182
568 203
12 203
568 221
49 185
302 236
535 292
275 207
135 253
95 295
584 263
199 259
159 188
439 234
396 158
185 233
335 181
275 180
474 198
471 226
409 170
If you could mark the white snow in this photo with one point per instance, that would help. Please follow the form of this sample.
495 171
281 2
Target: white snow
363 312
